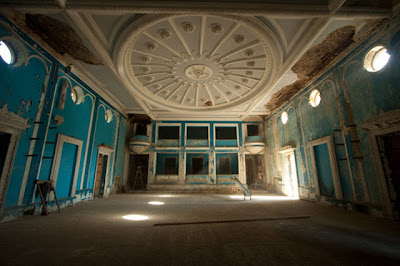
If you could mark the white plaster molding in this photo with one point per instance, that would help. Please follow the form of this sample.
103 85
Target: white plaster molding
11 120
287 149
12 124
93 100
98 31
383 121
61 139
328 140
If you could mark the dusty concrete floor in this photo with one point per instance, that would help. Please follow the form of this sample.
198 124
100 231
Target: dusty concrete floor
95 233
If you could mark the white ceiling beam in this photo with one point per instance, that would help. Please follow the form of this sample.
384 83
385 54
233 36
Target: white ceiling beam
335 5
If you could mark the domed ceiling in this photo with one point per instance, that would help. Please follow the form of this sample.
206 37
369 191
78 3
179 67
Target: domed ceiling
197 62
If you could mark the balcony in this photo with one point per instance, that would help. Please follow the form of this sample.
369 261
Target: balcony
254 144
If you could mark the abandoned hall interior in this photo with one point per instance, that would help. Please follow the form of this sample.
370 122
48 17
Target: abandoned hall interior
199 132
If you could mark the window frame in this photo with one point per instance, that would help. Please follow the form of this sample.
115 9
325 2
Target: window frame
226 125
198 125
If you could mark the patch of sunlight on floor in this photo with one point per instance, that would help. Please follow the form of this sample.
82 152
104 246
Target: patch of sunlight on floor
135 217
155 203
264 198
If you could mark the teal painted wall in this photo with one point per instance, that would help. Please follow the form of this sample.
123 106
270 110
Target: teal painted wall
21 88
349 93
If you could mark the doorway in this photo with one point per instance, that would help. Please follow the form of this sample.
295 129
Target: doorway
250 170
138 171
4 143
101 173
290 186
389 147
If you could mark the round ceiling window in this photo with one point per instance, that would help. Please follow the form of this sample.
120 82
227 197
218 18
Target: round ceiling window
376 59
315 98
285 117
6 53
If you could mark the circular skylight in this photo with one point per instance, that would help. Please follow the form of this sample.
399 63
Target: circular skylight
376 59
108 116
74 95
285 117
315 98
77 95
5 53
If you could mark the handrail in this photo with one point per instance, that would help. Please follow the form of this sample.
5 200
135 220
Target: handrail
245 190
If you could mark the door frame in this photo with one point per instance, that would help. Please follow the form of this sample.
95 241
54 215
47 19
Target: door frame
12 124
61 139
288 151
382 124
104 150
328 140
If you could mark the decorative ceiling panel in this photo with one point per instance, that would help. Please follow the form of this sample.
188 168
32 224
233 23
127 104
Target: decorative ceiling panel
197 62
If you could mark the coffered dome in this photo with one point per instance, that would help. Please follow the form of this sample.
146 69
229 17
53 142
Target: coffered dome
196 63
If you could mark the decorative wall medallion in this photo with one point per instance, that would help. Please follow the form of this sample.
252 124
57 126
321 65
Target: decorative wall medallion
202 66
165 34
216 28
238 39
188 27
150 46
